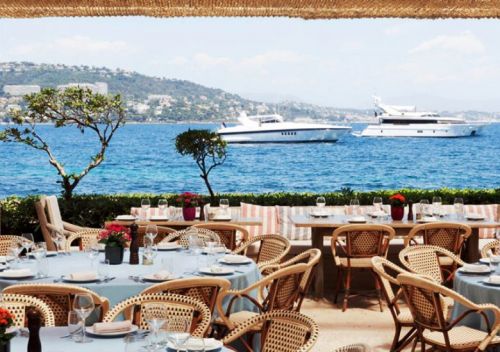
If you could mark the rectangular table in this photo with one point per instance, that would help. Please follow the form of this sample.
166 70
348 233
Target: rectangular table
321 227
180 223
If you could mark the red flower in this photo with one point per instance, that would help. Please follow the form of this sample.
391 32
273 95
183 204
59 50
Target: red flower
397 199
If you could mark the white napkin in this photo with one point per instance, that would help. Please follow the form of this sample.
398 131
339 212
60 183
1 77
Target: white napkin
83 276
476 268
429 218
357 218
167 245
17 273
495 279
115 326
233 258
125 217
210 344
162 275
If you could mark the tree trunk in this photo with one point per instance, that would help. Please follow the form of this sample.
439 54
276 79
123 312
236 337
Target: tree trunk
68 188
212 196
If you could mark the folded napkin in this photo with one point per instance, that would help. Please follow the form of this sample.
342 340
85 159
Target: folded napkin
167 245
216 269
115 326
478 268
83 276
357 218
162 275
233 258
429 218
17 272
210 344
495 279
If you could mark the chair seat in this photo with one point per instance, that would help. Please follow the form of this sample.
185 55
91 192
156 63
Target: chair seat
461 337
238 318
355 262
405 317
446 261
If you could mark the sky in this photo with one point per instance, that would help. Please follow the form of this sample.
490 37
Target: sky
435 64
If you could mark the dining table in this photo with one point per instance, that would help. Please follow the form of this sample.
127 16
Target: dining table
325 225
178 222
52 340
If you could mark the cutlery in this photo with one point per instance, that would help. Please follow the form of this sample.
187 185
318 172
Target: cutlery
59 279
65 336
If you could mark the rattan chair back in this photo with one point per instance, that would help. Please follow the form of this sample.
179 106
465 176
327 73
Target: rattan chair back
362 241
176 305
491 247
387 273
59 297
204 289
7 241
280 331
182 236
272 248
18 306
447 235
85 239
231 235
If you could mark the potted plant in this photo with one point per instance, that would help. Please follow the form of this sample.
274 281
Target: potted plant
188 202
115 238
397 206
6 321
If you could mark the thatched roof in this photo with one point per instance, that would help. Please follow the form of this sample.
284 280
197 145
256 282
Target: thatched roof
309 9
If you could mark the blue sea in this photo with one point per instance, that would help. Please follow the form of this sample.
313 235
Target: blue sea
142 159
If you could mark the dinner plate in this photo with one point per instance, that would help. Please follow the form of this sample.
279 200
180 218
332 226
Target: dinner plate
484 260
169 248
6 258
488 282
49 254
125 218
320 214
204 250
68 279
360 220
90 330
244 260
151 278
429 219
475 217
158 218
221 218
3 267
10 277
462 271
220 271
214 345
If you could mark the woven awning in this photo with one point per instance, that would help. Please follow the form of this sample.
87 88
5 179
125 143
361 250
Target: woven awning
311 9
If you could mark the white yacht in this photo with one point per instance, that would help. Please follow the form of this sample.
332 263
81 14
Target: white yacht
406 121
273 129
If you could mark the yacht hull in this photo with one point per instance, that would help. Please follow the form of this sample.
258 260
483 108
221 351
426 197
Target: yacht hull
285 136
422 130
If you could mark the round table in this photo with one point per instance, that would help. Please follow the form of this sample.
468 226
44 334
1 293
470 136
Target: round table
472 287
122 286
52 342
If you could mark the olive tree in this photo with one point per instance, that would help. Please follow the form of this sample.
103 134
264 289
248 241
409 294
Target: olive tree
206 148
76 107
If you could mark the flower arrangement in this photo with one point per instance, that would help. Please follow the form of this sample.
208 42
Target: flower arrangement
397 200
6 321
188 200
115 236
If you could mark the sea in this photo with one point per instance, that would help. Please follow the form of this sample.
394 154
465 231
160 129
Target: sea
142 159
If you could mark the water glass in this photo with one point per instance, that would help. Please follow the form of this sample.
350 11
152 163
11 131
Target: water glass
83 304
458 205
377 203
155 315
74 326
320 202
27 241
151 232
58 239
136 343
354 206
162 206
43 267
103 270
424 208
178 331
224 205
145 205
436 206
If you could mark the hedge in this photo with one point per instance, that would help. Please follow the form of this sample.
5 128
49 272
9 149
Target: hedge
19 215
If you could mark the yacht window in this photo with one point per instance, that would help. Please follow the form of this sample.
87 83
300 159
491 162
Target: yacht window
420 131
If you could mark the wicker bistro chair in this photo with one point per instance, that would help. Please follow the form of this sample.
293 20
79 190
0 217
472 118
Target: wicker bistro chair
205 289
358 347
277 291
280 331
7 241
177 305
182 236
425 299
387 274
491 247
447 235
272 249
231 235
362 242
163 232
18 306
59 297
427 260
84 238
310 257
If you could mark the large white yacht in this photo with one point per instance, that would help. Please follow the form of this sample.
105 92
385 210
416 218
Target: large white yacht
406 121
273 129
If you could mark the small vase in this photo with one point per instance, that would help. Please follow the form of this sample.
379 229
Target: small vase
397 213
114 254
189 214
5 347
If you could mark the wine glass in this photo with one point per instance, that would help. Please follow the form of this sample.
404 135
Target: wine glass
27 241
93 253
354 206
178 331
224 205
14 250
58 239
436 205
83 304
74 325
377 204
458 205
155 315
145 205
320 202
424 207
162 205
151 233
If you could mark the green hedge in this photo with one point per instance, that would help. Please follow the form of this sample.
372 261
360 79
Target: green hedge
19 215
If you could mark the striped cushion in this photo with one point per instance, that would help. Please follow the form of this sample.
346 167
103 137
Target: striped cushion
286 226
266 213
489 211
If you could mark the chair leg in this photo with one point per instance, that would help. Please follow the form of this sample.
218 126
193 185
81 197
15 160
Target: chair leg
347 289
338 283
379 291
395 340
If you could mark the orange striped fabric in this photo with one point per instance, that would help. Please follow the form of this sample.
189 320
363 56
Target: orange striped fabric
266 213
489 211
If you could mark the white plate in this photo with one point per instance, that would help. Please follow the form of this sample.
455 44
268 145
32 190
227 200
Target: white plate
244 260
488 282
169 248
125 218
357 220
158 218
49 254
221 271
484 260
320 214
475 217
12 277
427 219
90 330
3 266
463 271
204 250
68 279
214 345
222 218
6 258
151 278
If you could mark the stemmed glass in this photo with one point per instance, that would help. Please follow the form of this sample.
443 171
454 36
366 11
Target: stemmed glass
151 233
14 250
162 205
178 331
458 205
377 204
93 253
27 241
145 205
424 207
150 253
39 252
58 239
320 203
83 304
155 315
224 205
436 206
354 206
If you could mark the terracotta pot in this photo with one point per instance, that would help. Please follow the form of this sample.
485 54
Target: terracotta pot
189 214
397 213
114 254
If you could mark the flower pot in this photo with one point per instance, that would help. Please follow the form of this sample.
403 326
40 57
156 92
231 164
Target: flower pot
397 213
114 254
5 347
189 214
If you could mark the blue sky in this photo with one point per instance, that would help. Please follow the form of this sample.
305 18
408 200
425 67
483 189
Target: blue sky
442 64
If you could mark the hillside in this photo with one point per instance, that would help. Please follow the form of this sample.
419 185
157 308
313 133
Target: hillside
176 100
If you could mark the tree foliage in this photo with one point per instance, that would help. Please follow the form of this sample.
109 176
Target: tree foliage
77 107
206 148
